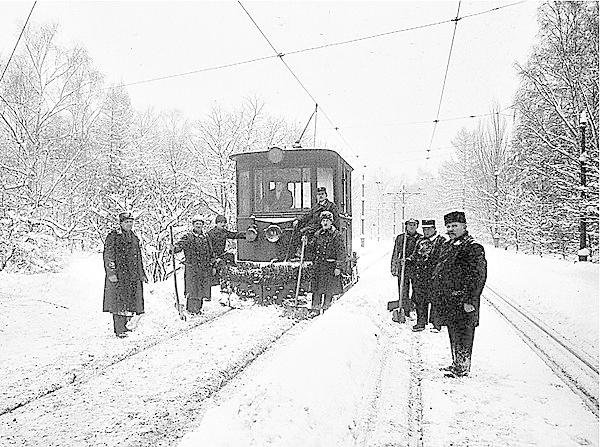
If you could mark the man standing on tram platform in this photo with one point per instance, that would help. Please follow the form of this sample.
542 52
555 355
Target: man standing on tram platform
458 280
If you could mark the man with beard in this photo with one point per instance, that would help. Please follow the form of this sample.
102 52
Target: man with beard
199 259
329 254
422 261
123 289
458 280
399 255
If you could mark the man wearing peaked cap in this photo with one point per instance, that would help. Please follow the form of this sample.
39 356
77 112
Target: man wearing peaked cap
422 261
458 280
311 221
123 284
199 259
218 236
328 252
403 246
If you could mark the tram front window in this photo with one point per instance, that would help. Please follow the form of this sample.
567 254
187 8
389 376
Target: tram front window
278 190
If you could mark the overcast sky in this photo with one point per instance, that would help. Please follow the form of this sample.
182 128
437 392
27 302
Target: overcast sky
369 89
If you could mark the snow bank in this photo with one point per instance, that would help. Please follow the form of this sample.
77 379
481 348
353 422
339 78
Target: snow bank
309 397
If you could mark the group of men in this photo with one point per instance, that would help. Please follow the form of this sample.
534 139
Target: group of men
123 287
446 278
205 258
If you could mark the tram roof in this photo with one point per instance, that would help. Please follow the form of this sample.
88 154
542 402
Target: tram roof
308 152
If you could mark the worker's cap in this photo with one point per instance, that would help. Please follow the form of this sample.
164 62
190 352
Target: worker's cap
326 215
455 216
125 217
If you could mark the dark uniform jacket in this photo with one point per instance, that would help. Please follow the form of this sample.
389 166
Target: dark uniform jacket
197 250
328 252
458 278
411 242
199 259
218 238
311 221
123 258
424 257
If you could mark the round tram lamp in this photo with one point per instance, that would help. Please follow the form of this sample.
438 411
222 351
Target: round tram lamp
251 234
275 155
273 233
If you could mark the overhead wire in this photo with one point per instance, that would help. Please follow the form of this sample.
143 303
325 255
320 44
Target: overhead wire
437 116
18 40
312 97
315 48
408 123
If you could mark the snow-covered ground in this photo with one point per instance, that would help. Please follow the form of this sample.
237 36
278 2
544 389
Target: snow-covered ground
562 294
356 378
251 377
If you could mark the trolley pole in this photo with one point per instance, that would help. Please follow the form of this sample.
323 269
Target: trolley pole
583 250
362 210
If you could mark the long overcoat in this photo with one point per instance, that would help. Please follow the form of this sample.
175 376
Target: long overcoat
459 278
328 252
422 262
411 242
123 258
199 258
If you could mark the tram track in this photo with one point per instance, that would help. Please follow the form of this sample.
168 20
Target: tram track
99 366
88 372
574 367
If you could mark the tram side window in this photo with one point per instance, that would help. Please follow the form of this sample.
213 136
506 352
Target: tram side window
243 193
325 178
284 189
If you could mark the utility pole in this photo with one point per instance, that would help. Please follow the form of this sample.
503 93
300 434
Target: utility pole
362 210
583 252
402 195
378 208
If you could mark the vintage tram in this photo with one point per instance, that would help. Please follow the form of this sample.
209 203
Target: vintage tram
275 187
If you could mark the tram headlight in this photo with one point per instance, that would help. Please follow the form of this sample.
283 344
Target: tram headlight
273 233
251 234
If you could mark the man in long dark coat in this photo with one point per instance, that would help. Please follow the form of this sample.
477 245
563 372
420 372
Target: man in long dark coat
329 259
123 289
459 278
218 236
412 237
199 258
422 262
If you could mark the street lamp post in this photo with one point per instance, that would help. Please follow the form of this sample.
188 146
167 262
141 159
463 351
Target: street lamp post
496 235
378 223
583 252
362 210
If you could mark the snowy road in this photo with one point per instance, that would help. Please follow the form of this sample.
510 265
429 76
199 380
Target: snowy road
251 377
388 389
